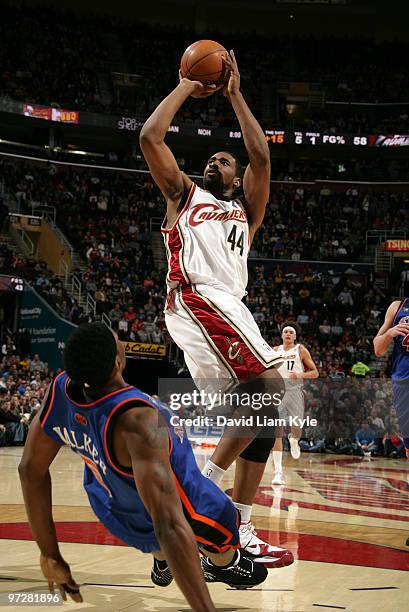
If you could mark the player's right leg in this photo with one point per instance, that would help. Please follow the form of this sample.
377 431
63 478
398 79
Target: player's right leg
220 339
214 521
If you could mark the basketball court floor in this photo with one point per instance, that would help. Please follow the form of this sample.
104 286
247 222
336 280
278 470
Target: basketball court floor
345 519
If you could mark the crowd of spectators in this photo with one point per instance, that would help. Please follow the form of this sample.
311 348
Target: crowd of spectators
339 313
355 416
75 49
378 170
107 216
355 413
23 383
325 224
48 284
59 60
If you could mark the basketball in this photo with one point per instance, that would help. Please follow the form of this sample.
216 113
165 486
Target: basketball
203 61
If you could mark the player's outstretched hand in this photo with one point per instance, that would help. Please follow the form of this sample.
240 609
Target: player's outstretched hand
233 84
401 329
199 90
58 572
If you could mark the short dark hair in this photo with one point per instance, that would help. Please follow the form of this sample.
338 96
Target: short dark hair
89 355
291 324
239 165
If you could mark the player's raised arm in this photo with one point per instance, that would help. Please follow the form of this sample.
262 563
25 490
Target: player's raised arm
146 438
161 161
39 452
256 181
386 333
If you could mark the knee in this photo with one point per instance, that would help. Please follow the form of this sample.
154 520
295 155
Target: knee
259 449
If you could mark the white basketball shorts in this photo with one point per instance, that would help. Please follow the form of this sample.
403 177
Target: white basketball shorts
292 404
217 333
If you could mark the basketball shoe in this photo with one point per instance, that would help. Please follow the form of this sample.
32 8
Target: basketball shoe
241 573
260 551
294 447
160 573
278 479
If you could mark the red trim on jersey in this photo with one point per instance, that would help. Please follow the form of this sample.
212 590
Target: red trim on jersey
104 397
206 520
227 340
52 399
191 192
401 305
94 469
175 245
111 414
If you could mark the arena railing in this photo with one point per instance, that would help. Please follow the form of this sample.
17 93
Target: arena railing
374 238
337 185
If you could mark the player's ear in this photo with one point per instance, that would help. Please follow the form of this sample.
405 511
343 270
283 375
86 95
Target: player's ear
236 182
118 364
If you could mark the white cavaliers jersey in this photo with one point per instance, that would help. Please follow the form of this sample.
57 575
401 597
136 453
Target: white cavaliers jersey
292 360
208 244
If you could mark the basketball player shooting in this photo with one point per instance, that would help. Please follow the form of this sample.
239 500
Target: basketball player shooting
140 476
208 233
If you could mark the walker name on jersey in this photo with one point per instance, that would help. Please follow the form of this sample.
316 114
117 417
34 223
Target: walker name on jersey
213 212
70 439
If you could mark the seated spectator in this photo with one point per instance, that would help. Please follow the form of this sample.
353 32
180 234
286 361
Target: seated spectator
365 440
393 443
303 318
36 364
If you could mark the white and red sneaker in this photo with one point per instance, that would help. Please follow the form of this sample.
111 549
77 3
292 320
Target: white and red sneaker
260 551
294 448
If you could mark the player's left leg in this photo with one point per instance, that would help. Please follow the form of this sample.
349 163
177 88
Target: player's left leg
294 438
295 401
401 401
278 458
250 468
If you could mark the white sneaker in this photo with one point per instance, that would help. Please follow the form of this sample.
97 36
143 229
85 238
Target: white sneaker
278 479
260 551
294 448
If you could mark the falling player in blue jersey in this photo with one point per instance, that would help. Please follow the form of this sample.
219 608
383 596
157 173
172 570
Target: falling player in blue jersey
140 476
396 329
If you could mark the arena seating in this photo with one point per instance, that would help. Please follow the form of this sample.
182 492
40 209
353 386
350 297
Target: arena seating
76 51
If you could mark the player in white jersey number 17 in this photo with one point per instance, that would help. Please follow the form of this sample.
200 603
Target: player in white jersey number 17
208 233
297 366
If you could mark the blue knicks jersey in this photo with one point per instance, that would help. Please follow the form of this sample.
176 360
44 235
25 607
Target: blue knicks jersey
400 355
87 430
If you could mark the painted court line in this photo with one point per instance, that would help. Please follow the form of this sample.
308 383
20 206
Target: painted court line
327 606
101 584
375 588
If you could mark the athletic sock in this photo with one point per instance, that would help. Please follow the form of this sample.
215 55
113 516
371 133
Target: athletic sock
229 564
213 472
245 512
278 461
162 565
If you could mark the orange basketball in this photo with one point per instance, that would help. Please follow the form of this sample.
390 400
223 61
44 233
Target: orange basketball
203 62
